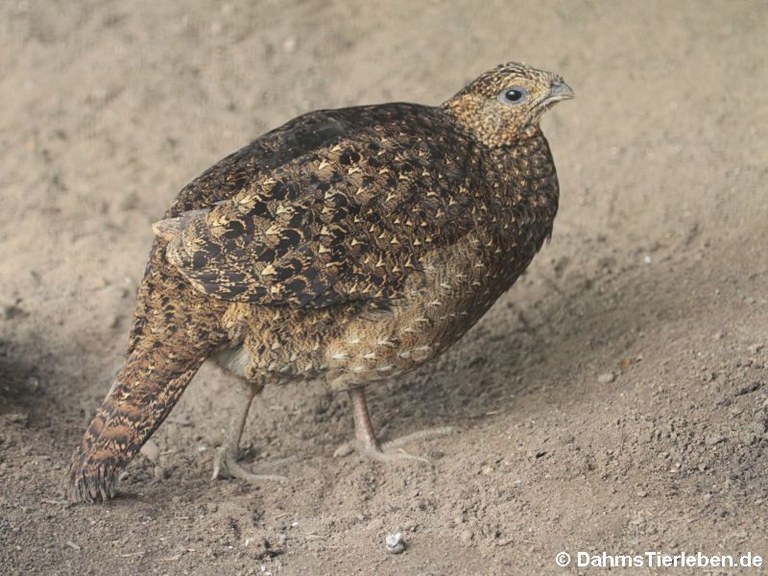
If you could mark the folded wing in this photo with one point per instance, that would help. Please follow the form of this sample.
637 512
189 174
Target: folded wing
347 217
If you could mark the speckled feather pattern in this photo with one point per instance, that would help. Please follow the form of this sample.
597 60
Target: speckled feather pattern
349 245
316 231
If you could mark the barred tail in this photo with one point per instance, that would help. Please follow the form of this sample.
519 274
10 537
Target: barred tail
174 331
145 392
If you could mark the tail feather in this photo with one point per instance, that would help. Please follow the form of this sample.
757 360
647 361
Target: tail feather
140 400
175 330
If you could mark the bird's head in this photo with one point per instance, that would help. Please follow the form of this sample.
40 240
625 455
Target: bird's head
507 102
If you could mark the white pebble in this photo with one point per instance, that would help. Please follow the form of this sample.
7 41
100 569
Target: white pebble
606 378
395 543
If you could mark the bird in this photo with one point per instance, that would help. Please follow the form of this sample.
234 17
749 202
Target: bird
348 245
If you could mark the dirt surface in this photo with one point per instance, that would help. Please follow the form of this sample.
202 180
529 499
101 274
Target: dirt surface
615 400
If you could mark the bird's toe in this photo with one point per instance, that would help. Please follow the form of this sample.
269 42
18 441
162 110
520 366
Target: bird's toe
393 451
225 465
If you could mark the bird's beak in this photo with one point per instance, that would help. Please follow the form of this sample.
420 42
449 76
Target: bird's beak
559 91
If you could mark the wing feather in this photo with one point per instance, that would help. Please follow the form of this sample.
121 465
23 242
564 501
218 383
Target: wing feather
341 216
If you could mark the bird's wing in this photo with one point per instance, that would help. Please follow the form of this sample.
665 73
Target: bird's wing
241 169
349 219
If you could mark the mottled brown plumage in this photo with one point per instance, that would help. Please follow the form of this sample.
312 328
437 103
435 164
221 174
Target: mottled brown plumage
350 245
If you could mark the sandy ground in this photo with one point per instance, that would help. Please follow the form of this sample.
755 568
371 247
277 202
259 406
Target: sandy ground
615 400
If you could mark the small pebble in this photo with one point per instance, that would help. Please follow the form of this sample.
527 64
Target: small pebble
395 543
32 384
151 451
606 378
343 450
566 438
16 417
289 45
747 438
158 472
466 537
708 376
713 439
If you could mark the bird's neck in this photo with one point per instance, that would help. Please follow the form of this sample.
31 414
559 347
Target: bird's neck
525 195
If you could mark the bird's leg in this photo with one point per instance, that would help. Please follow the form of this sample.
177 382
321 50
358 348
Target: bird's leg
364 433
225 464
369 443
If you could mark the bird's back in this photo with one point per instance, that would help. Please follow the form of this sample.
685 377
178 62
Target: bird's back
311 134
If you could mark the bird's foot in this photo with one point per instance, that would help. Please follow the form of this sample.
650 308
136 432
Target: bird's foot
393 450
225 465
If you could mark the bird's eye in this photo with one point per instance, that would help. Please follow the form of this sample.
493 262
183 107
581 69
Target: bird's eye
516 95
